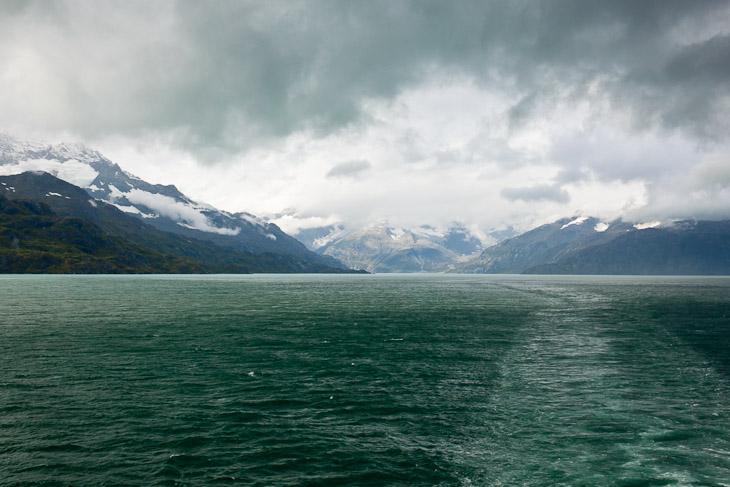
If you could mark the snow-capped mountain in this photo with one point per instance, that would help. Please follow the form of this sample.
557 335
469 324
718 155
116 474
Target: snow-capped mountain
379 247
545 244
685 247
162 206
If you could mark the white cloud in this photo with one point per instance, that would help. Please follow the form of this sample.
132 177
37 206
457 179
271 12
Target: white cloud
188 216
293 223
74 172
422 169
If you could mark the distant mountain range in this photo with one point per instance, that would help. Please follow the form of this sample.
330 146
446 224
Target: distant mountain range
67 208
589 246
162 207
578 245
682 248
382 248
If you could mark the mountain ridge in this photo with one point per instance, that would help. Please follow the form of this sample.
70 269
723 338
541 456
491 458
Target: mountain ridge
162 206
587 245
103 221
379 247
685 247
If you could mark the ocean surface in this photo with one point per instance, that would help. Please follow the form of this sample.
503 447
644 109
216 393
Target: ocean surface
271 380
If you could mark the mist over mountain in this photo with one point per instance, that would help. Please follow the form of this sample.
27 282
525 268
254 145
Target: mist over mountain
380 247
577 245
487 113
34 239
48 225
161 206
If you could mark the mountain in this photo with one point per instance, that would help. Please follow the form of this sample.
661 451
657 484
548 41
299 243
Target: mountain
541 245
161 206
33 239
382 248
49 225
682 248
589 246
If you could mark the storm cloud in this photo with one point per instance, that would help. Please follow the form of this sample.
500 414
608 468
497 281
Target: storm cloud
612 92
214 70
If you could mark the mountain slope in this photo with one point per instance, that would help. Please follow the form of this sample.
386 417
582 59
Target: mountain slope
544 244
589 246
684 248
67 200
33 239
161 206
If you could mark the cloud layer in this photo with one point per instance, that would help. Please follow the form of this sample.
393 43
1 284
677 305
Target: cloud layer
497 110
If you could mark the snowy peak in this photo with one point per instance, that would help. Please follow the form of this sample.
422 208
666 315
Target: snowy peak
13 149
73 163
76 152
106 181
380 247
544 244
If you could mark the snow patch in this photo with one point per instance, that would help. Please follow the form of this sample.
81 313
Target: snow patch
601 227
115 193
336 233
131 176
93 203
644 226
50 193
71 171
577 221
429 231
251 219
271 236
134 211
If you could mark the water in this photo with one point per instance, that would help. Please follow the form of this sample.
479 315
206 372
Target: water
364 380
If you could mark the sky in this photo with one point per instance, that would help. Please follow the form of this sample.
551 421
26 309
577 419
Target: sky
493 114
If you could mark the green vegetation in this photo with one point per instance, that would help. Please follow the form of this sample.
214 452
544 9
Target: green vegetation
33 239
43 233
205 256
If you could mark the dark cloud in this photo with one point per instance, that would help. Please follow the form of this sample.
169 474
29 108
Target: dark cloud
545 192
350 169
229 73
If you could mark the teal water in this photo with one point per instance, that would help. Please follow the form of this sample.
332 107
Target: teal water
364 380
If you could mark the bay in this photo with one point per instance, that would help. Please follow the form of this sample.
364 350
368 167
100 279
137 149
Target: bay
364 380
